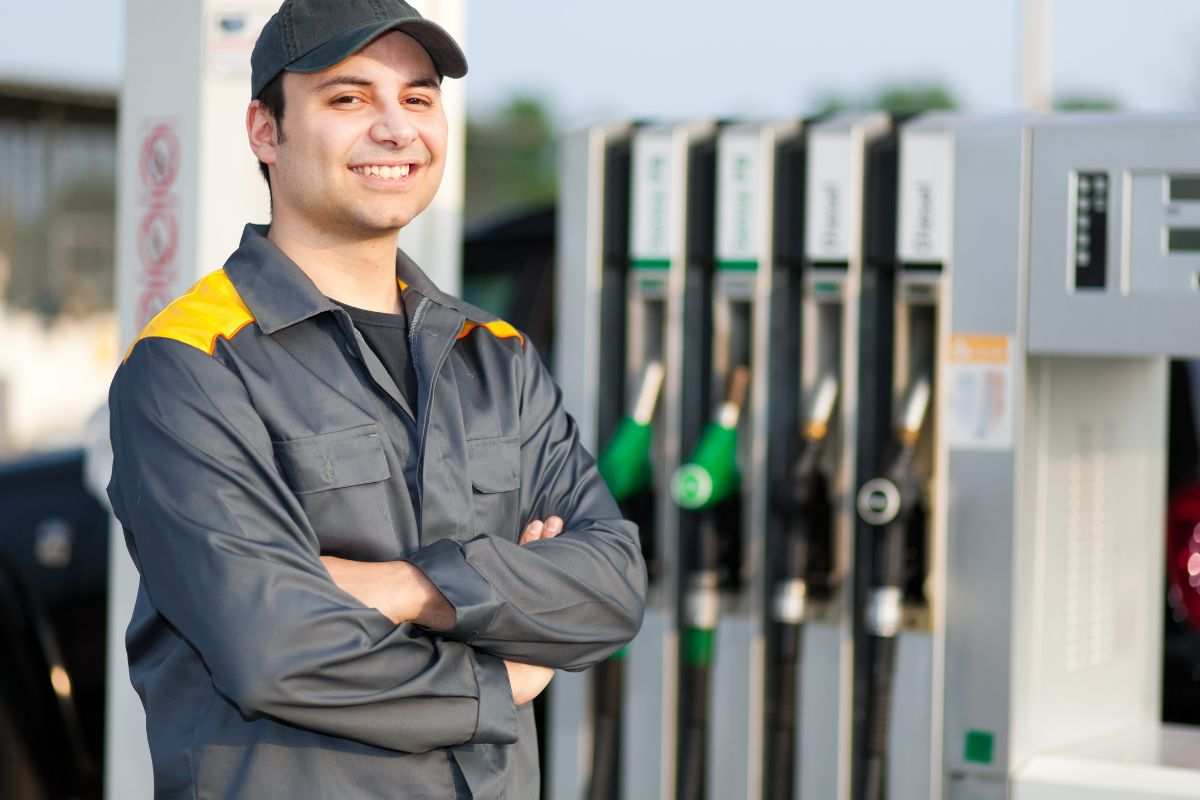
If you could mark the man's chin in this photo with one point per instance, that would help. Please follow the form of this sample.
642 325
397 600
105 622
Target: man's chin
374 225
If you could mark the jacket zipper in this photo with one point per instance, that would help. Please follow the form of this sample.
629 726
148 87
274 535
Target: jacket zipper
418 315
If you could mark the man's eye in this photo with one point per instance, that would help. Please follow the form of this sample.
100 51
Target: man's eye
346 100
419 101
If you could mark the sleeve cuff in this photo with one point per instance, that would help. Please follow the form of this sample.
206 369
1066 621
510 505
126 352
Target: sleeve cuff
445 565
497 723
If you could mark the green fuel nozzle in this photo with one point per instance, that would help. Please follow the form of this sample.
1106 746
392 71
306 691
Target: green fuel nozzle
625 463
711 474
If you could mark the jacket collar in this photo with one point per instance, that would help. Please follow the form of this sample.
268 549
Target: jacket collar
279 293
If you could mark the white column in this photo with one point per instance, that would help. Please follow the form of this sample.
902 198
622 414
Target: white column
434 239
186 184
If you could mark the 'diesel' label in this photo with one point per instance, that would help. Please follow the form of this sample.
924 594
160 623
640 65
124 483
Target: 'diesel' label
924 234
738 224
652 218
830 198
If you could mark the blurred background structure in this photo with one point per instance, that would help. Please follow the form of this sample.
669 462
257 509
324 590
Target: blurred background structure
538 68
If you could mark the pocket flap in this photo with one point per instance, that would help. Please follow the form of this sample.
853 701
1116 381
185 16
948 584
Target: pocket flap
494 464
334 460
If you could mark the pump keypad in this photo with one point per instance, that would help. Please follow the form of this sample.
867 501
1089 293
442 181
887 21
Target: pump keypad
1090 252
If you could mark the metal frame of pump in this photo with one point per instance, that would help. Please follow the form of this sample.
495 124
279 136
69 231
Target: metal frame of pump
584 712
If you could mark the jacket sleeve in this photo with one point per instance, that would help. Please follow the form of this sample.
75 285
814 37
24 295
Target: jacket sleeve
567 602
228 558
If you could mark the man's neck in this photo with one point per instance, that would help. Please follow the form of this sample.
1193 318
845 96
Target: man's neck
357 272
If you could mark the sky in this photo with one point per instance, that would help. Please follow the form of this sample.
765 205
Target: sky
752 58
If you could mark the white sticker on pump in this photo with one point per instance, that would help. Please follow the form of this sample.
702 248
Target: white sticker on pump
925 189
738 225
829 198
651 207
978 392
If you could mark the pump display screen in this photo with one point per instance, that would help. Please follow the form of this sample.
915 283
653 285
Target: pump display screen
1185 189
1183 240
1091 230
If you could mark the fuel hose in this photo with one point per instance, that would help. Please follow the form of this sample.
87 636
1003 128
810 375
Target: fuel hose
803 501
709 478
626 466
889 503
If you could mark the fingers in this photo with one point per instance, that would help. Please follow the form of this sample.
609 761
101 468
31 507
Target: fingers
537 529
533 532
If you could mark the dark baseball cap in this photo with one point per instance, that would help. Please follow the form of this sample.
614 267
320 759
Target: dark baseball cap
312 35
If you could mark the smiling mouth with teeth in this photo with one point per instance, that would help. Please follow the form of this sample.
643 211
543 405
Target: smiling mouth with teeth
385 172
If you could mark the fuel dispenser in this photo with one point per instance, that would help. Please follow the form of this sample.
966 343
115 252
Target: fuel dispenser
811 572
723 490
1048 271
635 259
669 321
894 653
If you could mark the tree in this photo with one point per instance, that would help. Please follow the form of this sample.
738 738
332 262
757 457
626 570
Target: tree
510 161
913 98
899 98
1085 102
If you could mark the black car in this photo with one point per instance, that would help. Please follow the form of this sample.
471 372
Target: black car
54 538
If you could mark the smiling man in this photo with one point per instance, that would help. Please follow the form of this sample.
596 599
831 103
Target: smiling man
365 528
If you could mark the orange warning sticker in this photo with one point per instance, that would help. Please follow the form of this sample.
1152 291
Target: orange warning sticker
974 348
979 392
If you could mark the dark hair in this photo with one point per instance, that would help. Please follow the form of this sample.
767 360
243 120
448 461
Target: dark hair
271 97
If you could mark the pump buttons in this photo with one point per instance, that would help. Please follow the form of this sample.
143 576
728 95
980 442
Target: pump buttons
878 501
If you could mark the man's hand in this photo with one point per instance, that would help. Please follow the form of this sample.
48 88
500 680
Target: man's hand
538 530
397 589
527 680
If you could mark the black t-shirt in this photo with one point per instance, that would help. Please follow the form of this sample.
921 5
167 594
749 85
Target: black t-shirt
387 335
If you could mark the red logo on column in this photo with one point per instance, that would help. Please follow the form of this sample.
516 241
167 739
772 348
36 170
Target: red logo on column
158 231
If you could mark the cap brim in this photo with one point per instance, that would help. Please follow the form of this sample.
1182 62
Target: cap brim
447 56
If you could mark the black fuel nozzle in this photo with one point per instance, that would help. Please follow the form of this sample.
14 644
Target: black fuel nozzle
802 500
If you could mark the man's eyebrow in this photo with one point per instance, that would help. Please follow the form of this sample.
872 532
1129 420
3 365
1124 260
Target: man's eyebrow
355 80
343 80
425 83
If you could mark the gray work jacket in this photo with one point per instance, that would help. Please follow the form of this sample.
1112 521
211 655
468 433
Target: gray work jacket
254 431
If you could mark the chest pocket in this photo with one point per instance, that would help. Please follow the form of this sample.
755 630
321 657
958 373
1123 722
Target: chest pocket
341 479
494 466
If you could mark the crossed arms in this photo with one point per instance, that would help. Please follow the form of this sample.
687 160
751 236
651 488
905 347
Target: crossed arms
229 559
402 593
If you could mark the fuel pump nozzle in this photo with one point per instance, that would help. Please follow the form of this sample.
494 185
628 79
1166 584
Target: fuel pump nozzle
710 477
804 505
889 503
625 462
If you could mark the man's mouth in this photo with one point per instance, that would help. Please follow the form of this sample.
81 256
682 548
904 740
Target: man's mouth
387 172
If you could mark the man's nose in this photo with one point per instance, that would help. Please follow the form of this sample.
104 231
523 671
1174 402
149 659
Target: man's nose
394 127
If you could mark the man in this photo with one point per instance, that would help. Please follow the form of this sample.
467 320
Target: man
322 465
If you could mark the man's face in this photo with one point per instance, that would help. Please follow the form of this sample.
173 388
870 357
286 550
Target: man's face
365 140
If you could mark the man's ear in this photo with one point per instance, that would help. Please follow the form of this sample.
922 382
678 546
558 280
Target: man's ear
262 132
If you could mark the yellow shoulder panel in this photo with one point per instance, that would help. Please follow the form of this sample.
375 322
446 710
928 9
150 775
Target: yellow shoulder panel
211 308
499 328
